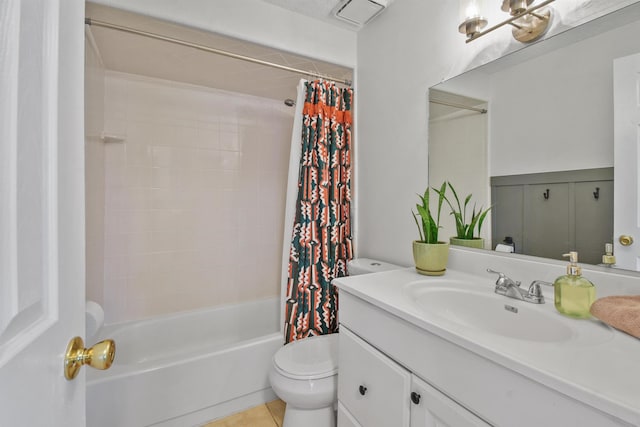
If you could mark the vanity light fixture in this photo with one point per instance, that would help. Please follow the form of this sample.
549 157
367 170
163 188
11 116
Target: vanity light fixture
529 22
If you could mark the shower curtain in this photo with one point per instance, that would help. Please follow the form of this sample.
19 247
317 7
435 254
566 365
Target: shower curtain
320 243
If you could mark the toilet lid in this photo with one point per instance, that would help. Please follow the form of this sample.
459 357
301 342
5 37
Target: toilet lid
314 357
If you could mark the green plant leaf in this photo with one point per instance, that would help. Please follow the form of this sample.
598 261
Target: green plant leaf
429 230
481 220
441 197
455 195
460 226
464 229
415 218
424 213
464 210
472 225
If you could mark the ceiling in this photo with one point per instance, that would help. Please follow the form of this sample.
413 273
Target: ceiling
318 9
135 54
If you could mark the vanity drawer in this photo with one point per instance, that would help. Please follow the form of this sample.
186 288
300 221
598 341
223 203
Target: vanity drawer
372 387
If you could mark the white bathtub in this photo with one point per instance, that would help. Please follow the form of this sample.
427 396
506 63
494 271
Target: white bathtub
186 369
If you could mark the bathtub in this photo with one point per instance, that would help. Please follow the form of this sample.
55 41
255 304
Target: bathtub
186 369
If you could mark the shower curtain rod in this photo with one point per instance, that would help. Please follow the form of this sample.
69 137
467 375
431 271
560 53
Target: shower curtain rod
453 104
97 23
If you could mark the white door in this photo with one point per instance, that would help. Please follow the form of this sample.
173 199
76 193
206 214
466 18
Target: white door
626 90
41 210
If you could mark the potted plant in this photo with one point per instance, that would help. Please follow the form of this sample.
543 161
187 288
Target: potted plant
429 254
465 230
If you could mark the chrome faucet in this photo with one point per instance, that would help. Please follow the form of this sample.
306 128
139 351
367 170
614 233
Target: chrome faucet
507 287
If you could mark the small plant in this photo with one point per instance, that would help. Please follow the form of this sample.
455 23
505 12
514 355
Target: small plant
464 229
428 227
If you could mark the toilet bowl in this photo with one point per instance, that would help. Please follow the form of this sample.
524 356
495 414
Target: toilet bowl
304 374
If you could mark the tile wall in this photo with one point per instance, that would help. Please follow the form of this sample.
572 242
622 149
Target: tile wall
94 171
194 196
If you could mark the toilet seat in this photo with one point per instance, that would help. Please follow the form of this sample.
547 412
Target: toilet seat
310 358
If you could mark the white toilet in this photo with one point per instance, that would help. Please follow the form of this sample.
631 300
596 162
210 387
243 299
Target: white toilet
304 374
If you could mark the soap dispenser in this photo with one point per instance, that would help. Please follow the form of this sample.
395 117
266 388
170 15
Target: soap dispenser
573 293
608 260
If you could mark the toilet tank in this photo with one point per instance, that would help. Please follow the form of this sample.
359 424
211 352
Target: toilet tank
366 265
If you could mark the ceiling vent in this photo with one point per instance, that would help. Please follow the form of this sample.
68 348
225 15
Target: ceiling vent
359 12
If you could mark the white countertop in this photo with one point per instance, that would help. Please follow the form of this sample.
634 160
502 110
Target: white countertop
598 365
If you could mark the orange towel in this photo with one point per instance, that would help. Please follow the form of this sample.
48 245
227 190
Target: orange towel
621 312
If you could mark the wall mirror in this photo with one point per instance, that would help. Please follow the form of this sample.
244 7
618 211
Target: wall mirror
531 133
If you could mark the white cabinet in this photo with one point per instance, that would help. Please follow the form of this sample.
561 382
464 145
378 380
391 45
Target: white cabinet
345 419
372 387
430 408
373 391
463 385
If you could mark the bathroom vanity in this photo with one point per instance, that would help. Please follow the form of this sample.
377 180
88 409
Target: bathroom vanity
448 351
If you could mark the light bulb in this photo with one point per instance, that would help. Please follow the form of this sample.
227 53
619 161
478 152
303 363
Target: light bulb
472 10
471 17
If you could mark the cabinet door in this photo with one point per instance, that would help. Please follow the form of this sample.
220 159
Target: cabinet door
594 219
345 419
372 387
546 225
430 408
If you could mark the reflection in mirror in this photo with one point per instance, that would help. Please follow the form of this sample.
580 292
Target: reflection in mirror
458 152
549 124
548 214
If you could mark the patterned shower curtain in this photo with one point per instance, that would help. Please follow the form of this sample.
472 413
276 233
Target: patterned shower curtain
321 241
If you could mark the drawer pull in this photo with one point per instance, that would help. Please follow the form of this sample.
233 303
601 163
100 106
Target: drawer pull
363 390
415 397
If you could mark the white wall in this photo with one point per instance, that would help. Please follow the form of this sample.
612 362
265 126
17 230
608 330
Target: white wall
458 144
255 21
194 196
564 118
413 45
94 170
552 112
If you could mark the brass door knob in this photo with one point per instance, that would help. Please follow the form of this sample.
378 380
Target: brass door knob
625 240
100 356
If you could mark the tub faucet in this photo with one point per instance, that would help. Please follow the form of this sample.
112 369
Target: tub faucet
507 287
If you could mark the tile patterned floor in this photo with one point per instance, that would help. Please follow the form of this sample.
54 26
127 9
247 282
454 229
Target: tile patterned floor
267 415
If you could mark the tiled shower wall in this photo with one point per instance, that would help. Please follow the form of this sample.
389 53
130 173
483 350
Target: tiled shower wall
194 196
94 171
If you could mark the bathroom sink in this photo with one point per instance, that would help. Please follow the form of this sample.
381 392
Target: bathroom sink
483 310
